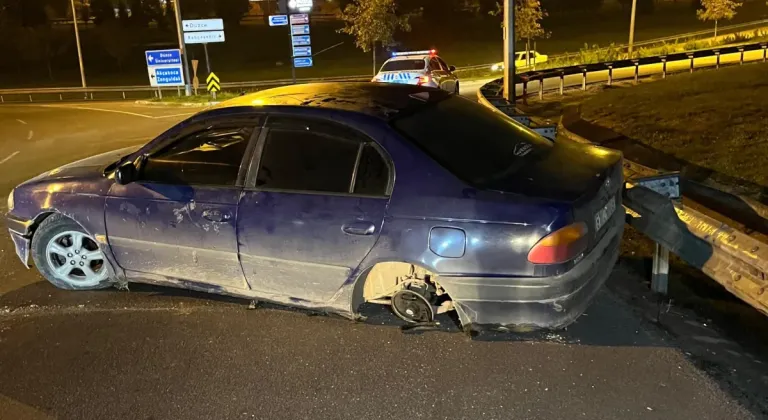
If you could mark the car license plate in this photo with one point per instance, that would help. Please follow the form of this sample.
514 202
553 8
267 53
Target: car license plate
604 214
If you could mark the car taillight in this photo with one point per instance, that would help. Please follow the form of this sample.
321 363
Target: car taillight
423 80
560 246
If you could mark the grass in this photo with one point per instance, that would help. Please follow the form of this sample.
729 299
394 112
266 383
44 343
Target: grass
715 119
198 99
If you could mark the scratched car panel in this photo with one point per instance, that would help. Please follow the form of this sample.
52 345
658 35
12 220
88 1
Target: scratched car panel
326 196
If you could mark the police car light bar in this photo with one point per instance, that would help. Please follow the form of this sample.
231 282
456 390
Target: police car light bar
404 53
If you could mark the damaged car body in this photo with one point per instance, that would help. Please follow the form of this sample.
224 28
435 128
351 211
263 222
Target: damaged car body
327 196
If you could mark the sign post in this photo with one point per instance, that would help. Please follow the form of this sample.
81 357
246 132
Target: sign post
182 45
510 89
204 31
195 80
165 69
298 30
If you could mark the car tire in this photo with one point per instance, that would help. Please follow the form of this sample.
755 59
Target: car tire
68 257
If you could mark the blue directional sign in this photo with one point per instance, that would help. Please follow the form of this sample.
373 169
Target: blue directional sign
302 51
278 20
302 62
301 40
163 57
300 30
166 76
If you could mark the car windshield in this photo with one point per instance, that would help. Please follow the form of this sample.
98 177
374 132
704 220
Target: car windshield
478 145
403 65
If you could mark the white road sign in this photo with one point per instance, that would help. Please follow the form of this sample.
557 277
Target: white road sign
197 25
166 76
207 37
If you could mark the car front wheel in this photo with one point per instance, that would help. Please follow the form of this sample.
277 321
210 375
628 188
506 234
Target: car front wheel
68 257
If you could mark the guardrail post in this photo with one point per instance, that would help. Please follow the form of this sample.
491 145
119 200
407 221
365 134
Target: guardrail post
637 70
583 78
717 55
741 55
541 88
123 95
30 98
562 82
610 74
663 67
660 274
2 100
691 57
765 46
61 97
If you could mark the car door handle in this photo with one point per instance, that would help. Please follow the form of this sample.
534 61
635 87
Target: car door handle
359 228
216 215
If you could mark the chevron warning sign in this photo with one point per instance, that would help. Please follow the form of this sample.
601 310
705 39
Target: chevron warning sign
213 83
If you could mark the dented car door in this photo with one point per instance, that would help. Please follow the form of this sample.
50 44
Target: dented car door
313 208
178 221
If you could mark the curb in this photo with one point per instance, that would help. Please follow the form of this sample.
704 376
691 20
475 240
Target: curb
177 104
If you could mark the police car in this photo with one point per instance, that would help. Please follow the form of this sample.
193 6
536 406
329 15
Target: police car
421 68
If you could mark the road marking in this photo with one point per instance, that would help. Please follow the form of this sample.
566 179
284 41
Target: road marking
9 157
174 115
85 108
22 121
30 134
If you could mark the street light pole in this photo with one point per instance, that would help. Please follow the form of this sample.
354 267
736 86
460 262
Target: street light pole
182 47
77 40
509 51
632 27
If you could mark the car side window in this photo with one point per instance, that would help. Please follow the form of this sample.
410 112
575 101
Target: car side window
314 156
208 157
442 64
434 64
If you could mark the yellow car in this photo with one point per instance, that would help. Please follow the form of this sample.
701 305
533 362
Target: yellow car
522 61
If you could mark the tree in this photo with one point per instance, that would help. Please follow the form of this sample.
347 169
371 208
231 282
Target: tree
717 10
232 11
372 22
113 37
139 16
103 11
528 17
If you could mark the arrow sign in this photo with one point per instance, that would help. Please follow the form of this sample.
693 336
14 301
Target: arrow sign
213 83
278 20
163 57
203 25
206 37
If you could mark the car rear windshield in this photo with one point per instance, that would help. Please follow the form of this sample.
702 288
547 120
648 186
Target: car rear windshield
403 65
477 144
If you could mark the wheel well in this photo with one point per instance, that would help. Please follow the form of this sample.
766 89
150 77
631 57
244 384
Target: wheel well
384 279
38 220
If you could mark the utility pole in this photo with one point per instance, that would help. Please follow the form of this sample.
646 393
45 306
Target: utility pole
632 27
509 51
182 47
77 40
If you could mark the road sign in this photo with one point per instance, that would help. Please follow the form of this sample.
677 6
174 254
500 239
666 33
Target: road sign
206 37
302 62
278 20
302 51
300 30
195 80
197 25
213 83
299 19
166 76
300 5
162 57
301 41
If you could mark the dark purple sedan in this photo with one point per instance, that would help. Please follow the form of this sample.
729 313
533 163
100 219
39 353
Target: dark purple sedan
330 195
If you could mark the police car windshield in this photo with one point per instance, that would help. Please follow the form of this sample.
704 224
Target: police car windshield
404 65
478 145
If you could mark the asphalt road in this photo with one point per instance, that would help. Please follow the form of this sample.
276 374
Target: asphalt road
156 353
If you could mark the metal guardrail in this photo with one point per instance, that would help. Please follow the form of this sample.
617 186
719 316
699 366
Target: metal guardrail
736 260
560 73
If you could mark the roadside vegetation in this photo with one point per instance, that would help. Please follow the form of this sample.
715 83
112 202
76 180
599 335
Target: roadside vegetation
38 39
715 119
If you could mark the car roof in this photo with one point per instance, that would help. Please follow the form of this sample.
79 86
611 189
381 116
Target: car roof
412 57
380 100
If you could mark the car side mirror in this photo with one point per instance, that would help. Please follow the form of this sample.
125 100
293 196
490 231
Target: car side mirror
452 68
126 174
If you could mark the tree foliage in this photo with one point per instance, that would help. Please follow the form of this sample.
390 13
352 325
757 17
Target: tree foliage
112 37
373 21
717 10
103 11
231 11
528 17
